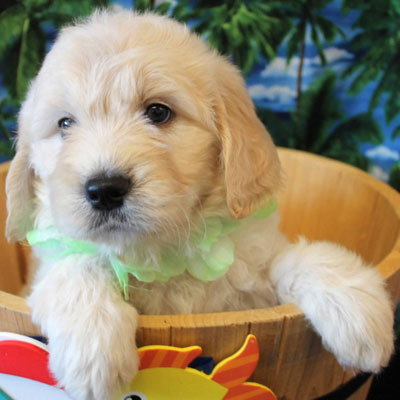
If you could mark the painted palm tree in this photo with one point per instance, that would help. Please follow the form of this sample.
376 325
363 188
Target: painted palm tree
378 49
7 120
306 15
394 177
241 29
159 7
23 26
320 126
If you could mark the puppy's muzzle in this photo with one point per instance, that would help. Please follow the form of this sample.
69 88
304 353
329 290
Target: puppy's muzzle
106 193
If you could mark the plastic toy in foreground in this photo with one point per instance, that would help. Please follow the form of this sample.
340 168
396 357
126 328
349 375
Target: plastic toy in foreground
164 372
164 375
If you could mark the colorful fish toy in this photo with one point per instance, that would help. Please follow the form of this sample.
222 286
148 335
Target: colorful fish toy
166 372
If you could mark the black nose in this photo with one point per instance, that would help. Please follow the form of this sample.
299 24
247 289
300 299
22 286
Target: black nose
106 193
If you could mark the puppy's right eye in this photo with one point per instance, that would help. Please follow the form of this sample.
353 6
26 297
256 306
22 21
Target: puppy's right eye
158 113
65 123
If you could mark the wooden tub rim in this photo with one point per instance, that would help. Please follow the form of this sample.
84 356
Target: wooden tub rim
387 267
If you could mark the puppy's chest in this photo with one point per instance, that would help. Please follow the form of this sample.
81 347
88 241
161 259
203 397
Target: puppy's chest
186 295
244 285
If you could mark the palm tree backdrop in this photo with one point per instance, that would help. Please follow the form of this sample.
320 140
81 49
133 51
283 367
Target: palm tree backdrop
243 30
24 28
378 44
306 16
321 126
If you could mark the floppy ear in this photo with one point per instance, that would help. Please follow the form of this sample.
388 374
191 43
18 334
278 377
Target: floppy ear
19 182
251 164
19 195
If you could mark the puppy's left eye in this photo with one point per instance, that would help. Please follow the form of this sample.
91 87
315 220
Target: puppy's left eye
158 113
65 123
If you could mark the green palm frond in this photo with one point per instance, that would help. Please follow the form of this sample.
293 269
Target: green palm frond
306 15
392 107
22 33
6 149
22 46
61 12
317 42
390 83
143 5
320 127
31 53
348 5
361 127
394 176
295 38
344 141
328 29
378 48
396 132
8 109
150 5
319 111
11 24
281 130
240 29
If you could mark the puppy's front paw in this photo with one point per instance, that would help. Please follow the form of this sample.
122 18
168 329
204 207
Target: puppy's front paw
94 362
355 322
344 299
360 334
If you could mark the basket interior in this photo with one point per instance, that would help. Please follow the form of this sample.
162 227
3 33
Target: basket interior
328 200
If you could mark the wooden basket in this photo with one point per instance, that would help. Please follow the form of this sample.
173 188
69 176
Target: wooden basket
324 199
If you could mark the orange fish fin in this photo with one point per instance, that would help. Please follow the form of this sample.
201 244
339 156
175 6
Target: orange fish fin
167 356
236 369
249 391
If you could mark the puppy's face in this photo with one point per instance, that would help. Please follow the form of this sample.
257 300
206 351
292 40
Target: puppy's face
135 128
128 149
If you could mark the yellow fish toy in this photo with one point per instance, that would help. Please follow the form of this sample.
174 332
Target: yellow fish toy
165 374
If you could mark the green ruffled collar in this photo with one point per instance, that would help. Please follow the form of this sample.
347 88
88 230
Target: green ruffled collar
211 258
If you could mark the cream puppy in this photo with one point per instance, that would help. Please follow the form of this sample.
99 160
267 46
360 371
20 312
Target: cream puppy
133 137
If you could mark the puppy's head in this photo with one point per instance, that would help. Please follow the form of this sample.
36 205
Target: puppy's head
134 127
